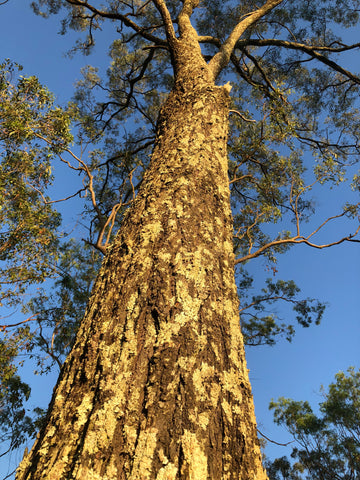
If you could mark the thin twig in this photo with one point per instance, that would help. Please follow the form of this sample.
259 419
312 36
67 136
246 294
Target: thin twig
4 327
242 116
273 441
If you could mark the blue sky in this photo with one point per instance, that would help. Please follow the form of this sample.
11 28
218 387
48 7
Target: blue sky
293 370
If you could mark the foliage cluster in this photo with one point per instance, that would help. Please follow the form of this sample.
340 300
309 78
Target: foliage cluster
28 242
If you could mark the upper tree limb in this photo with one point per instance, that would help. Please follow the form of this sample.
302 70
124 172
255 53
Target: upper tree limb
222 58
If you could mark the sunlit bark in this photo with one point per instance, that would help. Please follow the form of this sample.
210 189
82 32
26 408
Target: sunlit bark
156 386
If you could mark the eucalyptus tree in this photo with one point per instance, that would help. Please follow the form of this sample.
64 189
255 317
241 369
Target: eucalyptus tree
156 384
326 446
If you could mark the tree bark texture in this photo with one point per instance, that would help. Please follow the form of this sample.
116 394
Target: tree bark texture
156 386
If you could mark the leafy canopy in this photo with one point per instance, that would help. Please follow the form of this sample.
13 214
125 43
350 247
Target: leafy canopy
28 242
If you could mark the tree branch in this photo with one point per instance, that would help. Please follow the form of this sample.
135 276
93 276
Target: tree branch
273 441
267 299
49 349
165 15
221 59
49 202
297 240
118 16
12 325
285 43
312 51
185 27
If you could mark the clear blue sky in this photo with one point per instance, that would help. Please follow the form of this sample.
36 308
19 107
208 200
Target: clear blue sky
293 370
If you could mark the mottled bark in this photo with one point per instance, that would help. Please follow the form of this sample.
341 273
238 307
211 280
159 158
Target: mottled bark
156 386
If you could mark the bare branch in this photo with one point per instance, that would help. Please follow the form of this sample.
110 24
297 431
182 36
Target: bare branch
267 81
12 325
185 27
287 44
49 202
49 348
298 240
9 475
273 441
209 39
129 95
110 222
266 299
247 77
349 238
242 116
165 15
96 245
221 59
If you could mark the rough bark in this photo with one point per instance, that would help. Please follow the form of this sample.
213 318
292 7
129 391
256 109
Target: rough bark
156 386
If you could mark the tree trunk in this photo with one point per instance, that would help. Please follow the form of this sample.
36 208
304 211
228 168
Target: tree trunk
156 386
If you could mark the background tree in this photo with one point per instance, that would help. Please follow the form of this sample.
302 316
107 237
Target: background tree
267 174
328 443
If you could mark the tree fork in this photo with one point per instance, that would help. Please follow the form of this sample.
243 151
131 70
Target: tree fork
156 385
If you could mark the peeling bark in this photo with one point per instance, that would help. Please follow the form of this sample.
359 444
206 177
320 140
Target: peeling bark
156 386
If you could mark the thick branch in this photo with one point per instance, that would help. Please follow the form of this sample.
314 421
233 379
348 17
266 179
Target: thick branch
165 15
221 59
313 51
185 27
285 43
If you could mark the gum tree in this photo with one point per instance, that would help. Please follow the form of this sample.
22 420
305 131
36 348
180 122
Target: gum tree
148 390
156 384
325 446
